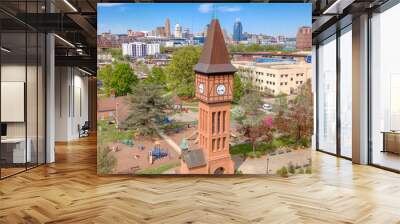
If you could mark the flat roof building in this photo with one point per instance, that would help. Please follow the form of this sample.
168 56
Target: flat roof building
274 77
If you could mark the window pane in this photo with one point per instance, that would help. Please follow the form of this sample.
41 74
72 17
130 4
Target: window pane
385 90
327 96
13 87
346 93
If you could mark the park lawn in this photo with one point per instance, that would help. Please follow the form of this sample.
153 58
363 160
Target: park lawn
194 110
108 133
241 149
262 148
192 103
160 169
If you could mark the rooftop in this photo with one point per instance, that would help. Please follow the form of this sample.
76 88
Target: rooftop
214 57
194 158
271 65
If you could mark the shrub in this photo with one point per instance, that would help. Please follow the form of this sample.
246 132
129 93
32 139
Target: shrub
259 154
305 142
266 147
283 172
244 148
251 155
238 171
308 170
301 171
283 141
292 169
106 161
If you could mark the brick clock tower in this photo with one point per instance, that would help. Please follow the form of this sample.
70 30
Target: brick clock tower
214 89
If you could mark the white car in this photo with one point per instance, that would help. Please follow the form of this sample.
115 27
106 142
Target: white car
267 107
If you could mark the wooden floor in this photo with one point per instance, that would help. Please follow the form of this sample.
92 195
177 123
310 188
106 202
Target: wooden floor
69 191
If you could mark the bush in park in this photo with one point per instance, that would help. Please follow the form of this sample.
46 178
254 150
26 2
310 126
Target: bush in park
292 169
283 172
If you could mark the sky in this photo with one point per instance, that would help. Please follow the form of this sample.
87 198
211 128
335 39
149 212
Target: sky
271 19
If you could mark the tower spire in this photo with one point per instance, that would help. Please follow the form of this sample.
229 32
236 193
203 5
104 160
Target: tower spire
214 57
214 12
214 89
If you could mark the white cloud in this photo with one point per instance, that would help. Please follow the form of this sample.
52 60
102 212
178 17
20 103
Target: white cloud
209 7
206 7
229 9
109 4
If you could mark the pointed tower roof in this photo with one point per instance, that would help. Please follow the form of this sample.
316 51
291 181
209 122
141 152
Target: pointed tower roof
214 57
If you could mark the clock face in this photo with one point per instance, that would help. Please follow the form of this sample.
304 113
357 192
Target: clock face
220 89
201 88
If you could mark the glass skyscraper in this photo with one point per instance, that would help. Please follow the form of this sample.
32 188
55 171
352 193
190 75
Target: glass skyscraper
237 31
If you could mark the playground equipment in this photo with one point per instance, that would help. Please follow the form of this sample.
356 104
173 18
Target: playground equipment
157 153
178 129
184 144
164 120
128 142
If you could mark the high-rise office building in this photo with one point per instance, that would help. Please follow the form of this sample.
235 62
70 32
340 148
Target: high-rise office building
186 33
303 38
206 30
237 31
140 49
178 31
167 28
160 31
135 49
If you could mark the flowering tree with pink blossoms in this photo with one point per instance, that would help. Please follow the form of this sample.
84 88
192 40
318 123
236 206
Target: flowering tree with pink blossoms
252 123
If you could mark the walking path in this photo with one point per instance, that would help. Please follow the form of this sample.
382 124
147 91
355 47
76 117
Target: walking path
169 141
299 157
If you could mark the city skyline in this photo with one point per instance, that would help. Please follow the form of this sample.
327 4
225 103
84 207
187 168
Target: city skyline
270 19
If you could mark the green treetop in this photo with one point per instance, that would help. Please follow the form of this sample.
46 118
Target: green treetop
180 74
118 77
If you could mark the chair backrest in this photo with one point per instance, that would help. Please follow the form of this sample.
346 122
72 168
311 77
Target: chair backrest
86 125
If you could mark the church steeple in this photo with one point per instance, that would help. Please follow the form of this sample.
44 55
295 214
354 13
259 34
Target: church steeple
214 57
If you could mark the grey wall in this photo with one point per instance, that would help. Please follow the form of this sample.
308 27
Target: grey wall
71 102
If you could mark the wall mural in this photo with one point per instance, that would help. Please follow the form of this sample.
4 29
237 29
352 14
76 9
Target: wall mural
204 89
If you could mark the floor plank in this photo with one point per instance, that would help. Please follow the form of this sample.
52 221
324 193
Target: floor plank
69 191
